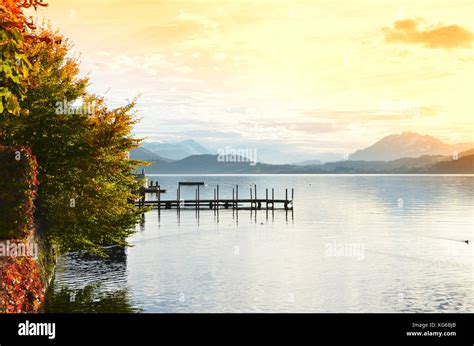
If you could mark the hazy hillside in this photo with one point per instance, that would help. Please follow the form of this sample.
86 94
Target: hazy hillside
176 151
143 154
466 153
308 163
464 165
407 145
208 164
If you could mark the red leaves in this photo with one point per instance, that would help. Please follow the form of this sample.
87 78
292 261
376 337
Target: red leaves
21 289
33 3
18 189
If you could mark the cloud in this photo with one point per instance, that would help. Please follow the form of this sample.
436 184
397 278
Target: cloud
444 37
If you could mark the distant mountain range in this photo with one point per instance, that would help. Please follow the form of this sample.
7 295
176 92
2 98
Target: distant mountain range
405 153
407 144
176 151
209 164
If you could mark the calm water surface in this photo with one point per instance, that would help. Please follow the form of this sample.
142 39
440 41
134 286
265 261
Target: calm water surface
353 244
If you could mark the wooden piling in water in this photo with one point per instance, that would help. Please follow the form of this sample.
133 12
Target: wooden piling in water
251 198
198 196
273 198
178 199
237 195
159 201
266 198
233 198
214 204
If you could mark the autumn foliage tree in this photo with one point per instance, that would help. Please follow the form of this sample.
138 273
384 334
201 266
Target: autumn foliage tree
86 188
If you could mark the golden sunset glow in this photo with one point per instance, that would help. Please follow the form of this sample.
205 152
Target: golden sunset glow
237 157
316 76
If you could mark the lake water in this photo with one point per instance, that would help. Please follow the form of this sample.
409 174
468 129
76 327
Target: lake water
353 244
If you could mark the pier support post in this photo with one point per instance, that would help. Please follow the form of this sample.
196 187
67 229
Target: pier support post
159 199
178 199
251 198
273 198
214 204
266 197
292 197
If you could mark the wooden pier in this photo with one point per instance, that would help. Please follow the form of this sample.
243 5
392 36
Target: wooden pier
252 202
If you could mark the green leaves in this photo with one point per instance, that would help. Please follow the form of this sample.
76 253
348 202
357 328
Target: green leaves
13 106
81 155
14 69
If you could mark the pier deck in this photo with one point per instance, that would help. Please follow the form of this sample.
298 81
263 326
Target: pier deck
252 202
245 203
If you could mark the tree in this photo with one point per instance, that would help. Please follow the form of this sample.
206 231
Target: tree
85 182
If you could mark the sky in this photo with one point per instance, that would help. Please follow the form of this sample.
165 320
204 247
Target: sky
296 80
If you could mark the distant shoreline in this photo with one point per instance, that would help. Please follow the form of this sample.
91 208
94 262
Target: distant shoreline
209 164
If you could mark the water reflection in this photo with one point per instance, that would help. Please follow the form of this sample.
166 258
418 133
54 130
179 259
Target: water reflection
289 215
89 283
90 299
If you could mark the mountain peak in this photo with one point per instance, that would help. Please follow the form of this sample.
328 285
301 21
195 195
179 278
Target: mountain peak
404 145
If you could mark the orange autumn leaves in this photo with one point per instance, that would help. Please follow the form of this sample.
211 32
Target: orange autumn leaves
11 15
13 64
